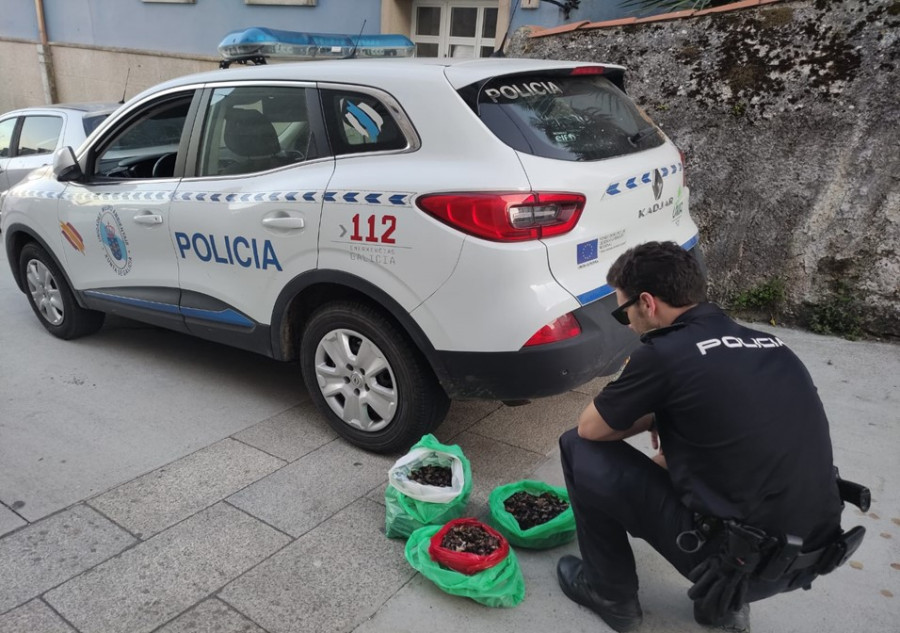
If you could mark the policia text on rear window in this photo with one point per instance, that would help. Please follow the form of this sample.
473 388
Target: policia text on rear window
578 118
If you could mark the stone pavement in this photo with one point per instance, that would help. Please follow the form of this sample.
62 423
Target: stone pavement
279 528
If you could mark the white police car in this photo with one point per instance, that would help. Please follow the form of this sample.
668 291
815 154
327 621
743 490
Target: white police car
411 230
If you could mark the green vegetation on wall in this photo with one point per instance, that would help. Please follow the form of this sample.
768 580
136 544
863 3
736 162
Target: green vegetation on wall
765 297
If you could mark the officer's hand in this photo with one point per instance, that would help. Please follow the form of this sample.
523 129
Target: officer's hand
659 459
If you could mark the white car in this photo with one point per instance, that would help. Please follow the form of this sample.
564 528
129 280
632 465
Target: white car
28 137
412 230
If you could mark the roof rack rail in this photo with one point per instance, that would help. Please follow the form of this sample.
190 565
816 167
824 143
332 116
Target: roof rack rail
257 44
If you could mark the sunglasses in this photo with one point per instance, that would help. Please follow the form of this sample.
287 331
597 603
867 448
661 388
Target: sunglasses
620 314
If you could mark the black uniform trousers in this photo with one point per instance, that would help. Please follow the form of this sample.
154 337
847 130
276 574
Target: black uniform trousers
616 490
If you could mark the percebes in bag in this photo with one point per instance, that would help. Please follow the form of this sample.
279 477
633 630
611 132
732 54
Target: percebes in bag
470 539
440 476
531 510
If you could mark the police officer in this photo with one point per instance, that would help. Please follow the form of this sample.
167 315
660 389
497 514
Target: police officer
743 439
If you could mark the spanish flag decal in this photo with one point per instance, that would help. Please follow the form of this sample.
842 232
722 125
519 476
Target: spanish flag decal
73 236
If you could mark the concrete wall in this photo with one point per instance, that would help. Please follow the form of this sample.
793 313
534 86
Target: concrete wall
183 28
88 74
789 114
19 75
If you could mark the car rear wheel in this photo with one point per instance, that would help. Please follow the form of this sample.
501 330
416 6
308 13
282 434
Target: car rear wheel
373 386
52 299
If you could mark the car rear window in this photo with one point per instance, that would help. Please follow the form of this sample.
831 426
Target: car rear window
566 117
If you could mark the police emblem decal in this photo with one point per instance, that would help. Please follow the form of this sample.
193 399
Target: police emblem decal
657 184
111 235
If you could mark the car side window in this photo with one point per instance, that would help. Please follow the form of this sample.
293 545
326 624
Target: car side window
6 131
147 147
39 135
255 128
359 122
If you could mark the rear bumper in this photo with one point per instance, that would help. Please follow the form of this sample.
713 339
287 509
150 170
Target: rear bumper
544 370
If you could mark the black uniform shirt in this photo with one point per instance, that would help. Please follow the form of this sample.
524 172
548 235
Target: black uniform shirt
740 422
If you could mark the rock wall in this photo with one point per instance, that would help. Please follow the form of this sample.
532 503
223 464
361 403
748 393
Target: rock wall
789 114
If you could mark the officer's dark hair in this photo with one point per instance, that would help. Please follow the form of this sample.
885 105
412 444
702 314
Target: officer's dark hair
663 269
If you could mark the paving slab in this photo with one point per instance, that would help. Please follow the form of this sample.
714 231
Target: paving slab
160 578
159 499
422 606
331 579
211 616
49 552
463 414
593 387
554 415
83 416
291 434
9 520
494 463
306 492
33 617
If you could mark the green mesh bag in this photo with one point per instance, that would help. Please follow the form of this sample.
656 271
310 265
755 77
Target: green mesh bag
404 513
499 586
556 531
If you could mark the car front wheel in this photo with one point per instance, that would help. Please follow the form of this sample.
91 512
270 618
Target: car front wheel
373 386
52 299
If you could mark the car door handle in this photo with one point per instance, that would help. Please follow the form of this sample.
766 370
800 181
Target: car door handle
284 222
148 219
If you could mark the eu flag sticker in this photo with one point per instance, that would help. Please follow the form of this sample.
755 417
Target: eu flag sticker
587 251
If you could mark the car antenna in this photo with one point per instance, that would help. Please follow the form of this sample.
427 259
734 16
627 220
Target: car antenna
125 89
499 52
356 43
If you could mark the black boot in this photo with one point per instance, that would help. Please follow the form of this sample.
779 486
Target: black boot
735 622
622 616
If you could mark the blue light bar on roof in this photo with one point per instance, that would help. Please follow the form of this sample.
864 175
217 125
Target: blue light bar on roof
260 42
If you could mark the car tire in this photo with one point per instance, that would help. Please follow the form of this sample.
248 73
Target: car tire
373 386
52 299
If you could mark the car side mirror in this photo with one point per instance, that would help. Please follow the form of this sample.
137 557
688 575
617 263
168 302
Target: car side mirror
65 165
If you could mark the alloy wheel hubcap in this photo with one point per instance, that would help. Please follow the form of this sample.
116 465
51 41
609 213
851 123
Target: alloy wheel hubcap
356 380
44 292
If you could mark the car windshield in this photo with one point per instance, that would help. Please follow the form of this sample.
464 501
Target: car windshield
92 121
576 118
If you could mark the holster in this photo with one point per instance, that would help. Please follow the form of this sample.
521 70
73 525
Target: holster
779 557
834 555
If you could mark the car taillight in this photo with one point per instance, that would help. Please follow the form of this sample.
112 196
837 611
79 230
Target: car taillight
588 70
683 168
506 217
560 329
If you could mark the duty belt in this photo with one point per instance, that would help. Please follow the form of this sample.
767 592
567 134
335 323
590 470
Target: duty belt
784 555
